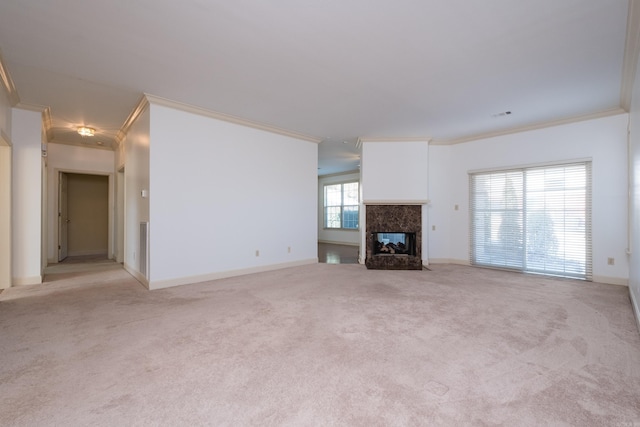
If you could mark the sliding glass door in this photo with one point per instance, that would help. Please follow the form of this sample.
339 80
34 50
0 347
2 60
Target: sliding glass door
534 219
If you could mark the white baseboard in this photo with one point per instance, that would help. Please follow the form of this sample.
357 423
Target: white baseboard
161 284
136 274
635 308
26 281
620 281
448 261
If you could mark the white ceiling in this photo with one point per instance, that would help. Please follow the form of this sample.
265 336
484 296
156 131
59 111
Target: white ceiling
335 69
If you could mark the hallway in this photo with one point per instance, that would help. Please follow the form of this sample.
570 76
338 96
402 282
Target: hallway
329 253
80 268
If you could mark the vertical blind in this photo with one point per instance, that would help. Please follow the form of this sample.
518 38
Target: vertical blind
534 219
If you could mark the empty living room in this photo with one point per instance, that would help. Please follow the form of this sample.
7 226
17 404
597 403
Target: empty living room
361 213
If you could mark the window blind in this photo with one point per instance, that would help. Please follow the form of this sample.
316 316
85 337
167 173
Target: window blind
533 219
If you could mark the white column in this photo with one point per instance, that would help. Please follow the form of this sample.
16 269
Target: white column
26 137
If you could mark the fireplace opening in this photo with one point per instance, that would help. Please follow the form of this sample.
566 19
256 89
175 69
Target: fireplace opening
394 243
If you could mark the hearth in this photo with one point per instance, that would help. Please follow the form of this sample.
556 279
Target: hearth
399 245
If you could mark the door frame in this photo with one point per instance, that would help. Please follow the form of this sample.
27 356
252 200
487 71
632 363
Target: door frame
63 216
119 228
54 214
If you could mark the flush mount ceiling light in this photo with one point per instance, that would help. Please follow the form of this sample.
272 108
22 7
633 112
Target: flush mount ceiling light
85 131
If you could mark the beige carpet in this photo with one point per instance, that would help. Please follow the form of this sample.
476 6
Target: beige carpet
319 345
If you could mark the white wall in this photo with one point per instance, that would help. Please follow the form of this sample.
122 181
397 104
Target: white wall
395 171
602 140
136 179
44 221
634 196
345 237
5 112
220 192
440 208
27 197
68 158
5 190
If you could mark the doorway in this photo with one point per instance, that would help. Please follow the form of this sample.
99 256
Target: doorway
330 253
83 215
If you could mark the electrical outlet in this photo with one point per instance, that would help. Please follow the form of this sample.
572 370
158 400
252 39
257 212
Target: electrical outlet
288 249
433 228
257 252
455 207
611 261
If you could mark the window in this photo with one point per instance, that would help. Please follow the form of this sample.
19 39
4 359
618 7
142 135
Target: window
533 219
341 205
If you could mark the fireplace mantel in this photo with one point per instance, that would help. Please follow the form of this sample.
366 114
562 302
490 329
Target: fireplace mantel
396 202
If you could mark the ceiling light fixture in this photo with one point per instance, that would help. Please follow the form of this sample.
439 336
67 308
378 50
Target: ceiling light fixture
85 131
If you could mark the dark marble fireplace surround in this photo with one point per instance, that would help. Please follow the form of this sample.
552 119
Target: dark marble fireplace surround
393 219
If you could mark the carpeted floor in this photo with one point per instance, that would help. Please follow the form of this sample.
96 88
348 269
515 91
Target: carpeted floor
319 345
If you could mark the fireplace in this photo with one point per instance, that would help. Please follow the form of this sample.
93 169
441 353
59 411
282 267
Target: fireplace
394 237
394 243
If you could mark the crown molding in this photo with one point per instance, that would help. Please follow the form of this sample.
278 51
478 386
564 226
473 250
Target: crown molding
395 139
229 118
140 108
31 107
47 124
631 54
569 120
7 83
4 139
